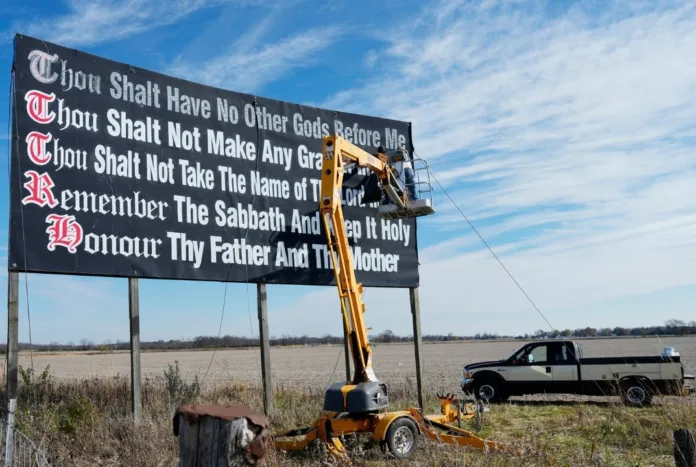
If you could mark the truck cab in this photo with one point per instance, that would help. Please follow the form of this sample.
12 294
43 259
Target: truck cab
546 366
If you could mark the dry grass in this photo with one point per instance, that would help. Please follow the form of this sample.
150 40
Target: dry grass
86 422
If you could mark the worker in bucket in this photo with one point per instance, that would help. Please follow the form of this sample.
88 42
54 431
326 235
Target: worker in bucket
401 161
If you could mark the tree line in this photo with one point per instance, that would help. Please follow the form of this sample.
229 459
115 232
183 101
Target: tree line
671 327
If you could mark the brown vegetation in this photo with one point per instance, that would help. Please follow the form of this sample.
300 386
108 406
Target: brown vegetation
86 422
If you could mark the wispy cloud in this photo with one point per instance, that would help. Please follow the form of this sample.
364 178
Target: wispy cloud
517 110
371 58
567 139
251 63
91 23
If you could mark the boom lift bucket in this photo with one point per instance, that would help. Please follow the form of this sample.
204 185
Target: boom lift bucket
422 186
360 405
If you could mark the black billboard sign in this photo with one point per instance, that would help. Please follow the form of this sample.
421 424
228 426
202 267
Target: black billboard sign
120 171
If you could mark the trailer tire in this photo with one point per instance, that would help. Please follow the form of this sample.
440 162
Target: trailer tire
401 438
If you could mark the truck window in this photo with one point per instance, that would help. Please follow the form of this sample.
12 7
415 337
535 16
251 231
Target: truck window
519 355
571 350
561 354
538 354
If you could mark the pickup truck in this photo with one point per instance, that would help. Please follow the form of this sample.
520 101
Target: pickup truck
558 367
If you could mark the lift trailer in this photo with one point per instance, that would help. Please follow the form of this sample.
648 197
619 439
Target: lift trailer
360 405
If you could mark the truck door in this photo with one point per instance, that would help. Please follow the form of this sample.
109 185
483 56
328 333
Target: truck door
563 368
531 371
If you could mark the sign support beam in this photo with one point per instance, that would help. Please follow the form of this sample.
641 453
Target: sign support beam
12 359
415 312
12 335
134 312
265 347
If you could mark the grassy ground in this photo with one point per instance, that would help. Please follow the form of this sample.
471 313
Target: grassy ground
86 422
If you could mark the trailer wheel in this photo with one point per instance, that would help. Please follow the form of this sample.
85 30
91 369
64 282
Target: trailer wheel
402 438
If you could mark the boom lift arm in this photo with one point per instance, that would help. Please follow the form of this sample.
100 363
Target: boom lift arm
338 154
357 406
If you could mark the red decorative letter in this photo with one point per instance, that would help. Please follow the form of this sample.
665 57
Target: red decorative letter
37 106
39 187
36 147
64 231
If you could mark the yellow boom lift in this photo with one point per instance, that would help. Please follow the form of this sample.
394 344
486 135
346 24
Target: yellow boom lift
360 405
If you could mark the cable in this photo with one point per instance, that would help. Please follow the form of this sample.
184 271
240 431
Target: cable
340 351
492 252
21 209
246 272
246 234
501 264
9 173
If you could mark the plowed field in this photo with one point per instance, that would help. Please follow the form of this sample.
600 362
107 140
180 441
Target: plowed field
315 367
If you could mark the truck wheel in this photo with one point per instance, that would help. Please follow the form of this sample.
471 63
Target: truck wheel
635 394
402 438
488 390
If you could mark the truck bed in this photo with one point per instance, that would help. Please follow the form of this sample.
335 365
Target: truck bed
628 360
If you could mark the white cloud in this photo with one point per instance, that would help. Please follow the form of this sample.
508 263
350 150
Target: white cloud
371 58
248 66
72 293
96 22
468 293
67 308
579 124
548 113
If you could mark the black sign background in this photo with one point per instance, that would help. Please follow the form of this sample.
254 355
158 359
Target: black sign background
106 243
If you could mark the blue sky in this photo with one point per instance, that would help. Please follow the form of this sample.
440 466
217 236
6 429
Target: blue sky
564 130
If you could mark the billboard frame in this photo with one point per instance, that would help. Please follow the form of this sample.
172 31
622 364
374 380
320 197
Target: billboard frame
134 306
